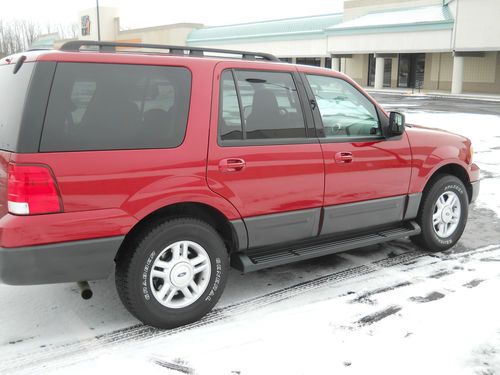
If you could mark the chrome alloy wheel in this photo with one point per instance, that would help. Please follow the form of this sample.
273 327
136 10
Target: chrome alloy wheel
446 214
180 274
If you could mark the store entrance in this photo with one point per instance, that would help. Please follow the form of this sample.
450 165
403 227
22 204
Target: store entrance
411 70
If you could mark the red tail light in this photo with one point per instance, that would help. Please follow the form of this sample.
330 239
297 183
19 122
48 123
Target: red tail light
31 190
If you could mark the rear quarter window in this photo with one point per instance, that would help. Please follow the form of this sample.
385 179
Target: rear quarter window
112 106
13 91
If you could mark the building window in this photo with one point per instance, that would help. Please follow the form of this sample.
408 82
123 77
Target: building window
371 69
313 61
286 59
387 72
328 62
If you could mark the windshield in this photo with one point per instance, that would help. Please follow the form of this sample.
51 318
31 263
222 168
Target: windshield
13 88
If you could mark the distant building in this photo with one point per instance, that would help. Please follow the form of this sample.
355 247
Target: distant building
435 45
448 45
111 30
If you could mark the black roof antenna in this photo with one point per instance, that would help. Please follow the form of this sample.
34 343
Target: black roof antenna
19 64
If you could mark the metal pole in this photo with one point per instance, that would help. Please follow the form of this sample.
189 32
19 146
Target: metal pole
98 23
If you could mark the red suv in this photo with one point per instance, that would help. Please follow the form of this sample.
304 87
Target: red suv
168 164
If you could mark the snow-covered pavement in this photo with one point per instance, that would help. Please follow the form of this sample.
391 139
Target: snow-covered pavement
388 309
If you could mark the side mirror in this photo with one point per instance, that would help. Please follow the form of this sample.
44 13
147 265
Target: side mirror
396 123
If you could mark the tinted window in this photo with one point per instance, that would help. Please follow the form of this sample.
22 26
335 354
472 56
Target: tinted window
13 90
270 105
345 111
109 106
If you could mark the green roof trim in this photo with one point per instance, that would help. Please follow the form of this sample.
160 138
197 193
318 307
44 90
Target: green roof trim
399 20
257 39
437 17
283 28
393 29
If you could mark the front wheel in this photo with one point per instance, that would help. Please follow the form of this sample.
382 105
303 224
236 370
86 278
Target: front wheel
173 274
442 214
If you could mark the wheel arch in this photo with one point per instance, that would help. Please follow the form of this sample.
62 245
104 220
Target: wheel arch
453 169
230 231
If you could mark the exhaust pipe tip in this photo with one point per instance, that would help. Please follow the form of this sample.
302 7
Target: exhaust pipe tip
85 290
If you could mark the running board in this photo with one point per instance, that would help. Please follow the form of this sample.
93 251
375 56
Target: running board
248 262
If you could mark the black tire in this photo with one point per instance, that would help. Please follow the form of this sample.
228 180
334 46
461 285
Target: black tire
134 265
428 239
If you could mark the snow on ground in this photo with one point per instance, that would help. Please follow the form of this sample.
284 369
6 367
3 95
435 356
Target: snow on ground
388 309
411 313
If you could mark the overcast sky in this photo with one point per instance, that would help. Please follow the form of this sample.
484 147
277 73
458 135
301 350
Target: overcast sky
140 13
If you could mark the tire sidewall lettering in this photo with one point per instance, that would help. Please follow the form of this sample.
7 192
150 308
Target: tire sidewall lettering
145 276
217 278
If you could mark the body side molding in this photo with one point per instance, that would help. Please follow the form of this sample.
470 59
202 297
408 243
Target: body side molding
288 226
358 215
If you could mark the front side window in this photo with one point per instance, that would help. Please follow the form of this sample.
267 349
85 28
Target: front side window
111 106
260 105
345 112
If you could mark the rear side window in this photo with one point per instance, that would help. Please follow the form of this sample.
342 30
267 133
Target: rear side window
111 107
13 91
260 105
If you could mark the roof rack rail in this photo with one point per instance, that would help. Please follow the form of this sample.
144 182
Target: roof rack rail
76 45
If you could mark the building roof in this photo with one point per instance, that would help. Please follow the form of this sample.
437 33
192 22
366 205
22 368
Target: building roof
431 17
275 28
413 19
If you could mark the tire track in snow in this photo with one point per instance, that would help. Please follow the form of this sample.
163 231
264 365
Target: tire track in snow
59 356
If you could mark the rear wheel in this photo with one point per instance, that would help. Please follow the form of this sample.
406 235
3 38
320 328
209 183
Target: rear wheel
173 274
443 213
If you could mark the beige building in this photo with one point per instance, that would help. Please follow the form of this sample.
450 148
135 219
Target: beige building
110 29
432 45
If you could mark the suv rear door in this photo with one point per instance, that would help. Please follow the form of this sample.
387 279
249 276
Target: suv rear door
366 175
262 155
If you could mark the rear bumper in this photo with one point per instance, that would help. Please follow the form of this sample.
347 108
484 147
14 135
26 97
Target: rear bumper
59 263
475 190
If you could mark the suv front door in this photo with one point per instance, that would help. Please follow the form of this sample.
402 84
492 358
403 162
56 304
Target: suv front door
367 175
262 157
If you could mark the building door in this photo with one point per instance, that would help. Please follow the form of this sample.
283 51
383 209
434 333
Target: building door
411 69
